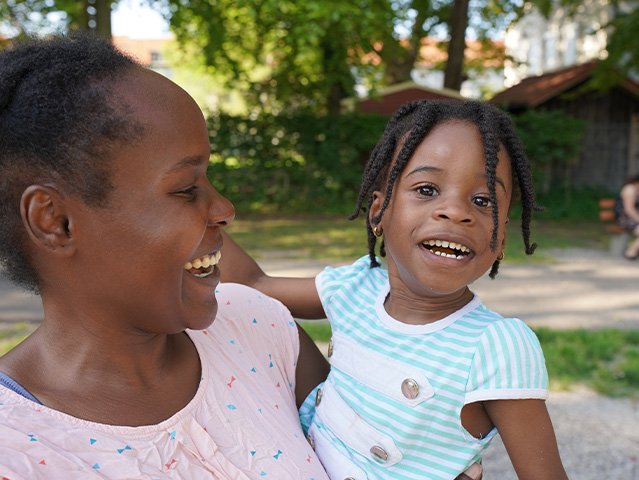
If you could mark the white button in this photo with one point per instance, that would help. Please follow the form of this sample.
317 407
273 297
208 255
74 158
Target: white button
318 397
410 388
379 454
330 349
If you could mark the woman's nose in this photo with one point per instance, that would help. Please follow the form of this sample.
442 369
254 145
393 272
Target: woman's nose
221 212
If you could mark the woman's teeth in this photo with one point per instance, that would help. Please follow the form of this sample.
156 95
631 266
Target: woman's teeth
447 249
203 266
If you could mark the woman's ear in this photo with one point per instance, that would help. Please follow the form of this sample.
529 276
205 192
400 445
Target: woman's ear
44 215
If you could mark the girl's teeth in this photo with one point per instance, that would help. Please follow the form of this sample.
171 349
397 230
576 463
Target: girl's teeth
447 244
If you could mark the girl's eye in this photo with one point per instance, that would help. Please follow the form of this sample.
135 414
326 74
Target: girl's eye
426 190
482 201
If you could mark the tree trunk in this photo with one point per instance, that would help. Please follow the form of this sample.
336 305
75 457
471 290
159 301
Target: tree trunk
400 59
455 63
103 18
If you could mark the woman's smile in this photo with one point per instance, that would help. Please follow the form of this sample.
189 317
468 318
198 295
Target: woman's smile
203 266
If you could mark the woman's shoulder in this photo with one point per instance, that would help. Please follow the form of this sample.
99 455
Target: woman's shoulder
252 316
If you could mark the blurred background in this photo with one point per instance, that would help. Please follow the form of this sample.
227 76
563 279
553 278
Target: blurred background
297 93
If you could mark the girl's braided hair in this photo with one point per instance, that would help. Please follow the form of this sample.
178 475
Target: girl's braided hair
59 123
407 129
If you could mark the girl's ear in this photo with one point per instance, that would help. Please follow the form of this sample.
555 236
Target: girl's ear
44 215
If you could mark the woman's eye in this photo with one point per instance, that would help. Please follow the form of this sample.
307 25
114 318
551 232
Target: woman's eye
426 190
190 193
482 201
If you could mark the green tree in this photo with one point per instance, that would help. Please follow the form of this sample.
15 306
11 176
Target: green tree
310 55
622 47
298 53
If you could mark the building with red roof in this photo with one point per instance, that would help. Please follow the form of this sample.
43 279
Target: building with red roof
610 150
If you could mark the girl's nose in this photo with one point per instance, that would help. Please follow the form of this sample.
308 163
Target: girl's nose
221 212
453 210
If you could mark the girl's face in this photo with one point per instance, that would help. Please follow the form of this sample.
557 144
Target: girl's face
438 225
162 213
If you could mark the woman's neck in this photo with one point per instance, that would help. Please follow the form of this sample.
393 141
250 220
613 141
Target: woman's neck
104 377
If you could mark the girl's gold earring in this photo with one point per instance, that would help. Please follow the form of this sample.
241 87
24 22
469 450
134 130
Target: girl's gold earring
377 231
501 256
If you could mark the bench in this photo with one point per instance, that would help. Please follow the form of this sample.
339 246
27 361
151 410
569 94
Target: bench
618 236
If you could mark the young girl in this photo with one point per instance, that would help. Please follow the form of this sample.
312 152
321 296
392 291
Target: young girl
423 374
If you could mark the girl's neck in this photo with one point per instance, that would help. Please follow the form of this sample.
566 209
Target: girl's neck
406 307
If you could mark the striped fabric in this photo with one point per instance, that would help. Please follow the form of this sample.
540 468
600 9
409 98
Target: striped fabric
474 354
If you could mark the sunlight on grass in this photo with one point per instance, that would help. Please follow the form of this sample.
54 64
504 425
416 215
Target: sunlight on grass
335 238
12 335
606 361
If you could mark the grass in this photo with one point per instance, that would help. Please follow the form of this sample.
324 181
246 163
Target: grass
13 334
334 238
606 361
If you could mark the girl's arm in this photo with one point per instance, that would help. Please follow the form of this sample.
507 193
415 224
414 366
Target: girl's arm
298 294
529 438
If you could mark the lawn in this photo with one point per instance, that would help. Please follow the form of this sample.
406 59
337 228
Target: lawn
334 238
605 360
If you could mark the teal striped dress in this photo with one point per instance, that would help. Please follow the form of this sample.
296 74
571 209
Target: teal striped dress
390 408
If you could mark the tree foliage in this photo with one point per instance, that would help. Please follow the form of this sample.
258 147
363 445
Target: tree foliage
293 163
298 53
30 17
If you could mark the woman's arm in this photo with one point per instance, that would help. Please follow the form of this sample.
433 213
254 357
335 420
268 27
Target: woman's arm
629 194
298 294
529 438
312 367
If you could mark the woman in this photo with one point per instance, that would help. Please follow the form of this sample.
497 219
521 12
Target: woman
628 214
107 212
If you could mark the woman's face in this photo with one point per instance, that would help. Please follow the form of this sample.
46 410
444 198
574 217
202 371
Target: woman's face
162 214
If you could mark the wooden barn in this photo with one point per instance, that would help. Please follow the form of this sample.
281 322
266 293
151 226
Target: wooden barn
610 150
389 99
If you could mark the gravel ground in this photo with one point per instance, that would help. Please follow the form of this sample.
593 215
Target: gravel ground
598 438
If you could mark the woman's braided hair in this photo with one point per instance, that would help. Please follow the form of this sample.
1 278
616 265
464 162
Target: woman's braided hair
407 129
59 123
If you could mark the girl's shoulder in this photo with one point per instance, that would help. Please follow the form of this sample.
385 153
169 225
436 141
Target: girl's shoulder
360 267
